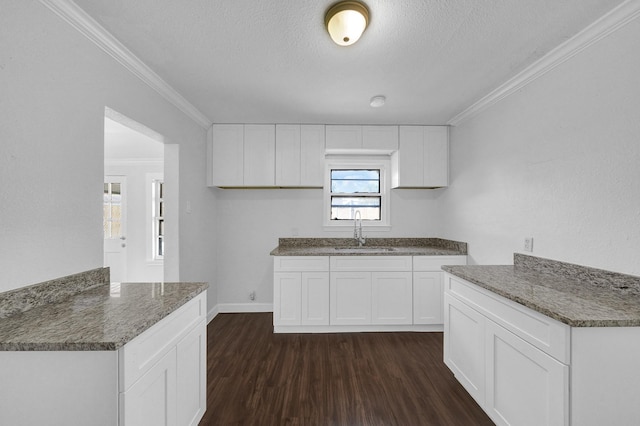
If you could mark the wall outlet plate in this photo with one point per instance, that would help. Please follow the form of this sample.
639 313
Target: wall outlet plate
528 244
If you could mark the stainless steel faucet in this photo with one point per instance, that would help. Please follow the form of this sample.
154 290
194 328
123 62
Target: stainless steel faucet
357 231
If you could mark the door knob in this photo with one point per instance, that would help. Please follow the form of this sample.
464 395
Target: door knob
123 245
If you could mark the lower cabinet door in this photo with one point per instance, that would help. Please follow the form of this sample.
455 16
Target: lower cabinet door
525 386
151 401
315 298
464 346
350 294
427 298
191 361
287 298
391 298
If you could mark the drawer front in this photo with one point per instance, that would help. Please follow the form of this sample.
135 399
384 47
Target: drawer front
371 263
300 263
434 263
547 334
141 353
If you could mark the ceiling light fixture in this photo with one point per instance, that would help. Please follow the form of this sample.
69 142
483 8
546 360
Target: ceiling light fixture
377 101
346 21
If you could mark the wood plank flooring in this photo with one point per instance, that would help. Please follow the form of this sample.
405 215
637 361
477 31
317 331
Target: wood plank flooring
256 377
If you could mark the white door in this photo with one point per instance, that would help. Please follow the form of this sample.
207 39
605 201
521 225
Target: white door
350 294
427 297
115 227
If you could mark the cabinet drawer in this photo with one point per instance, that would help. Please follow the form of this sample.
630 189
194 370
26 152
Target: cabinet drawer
141 353
434 263
300 263
547 334
371 263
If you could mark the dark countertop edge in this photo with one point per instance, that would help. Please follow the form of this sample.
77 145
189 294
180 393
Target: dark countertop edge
109 345
454 270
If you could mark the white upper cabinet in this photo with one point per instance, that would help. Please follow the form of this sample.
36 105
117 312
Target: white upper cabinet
226 155
259 155
241 155
299 155
422 159
341 138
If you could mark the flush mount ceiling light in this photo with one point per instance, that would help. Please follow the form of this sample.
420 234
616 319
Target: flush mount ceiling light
346 21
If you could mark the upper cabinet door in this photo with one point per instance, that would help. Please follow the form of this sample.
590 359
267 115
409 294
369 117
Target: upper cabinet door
287 154
227 168
380 138
259 155
436 156
312 155
422 159
343 137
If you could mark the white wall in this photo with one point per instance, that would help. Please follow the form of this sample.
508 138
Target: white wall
559 161
251 221
55 85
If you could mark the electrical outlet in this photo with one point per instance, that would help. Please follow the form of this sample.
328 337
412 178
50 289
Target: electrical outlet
528 244
252 295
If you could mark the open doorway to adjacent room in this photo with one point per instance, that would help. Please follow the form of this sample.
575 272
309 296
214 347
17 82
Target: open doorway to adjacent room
134 200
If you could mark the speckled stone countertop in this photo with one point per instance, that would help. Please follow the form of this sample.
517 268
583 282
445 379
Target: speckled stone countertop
373 247
575 295
102 318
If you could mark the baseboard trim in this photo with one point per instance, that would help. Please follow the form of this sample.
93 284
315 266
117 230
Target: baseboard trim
213 312
228 308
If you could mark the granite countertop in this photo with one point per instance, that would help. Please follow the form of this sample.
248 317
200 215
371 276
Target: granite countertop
373 247
102 318
575 295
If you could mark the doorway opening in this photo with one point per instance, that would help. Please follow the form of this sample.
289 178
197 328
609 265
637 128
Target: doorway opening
135 201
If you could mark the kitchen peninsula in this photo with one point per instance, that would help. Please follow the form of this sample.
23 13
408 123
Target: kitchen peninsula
545 342
82 350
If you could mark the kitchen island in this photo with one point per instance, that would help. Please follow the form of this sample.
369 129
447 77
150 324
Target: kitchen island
328 285
545 342
81 350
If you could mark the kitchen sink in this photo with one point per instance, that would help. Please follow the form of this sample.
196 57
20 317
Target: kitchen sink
364 249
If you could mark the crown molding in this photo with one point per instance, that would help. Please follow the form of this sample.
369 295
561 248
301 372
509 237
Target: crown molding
91 29
606 25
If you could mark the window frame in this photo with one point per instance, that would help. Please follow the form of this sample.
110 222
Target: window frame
365 163
152 180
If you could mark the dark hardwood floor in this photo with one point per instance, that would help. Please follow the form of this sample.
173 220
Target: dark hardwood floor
256 377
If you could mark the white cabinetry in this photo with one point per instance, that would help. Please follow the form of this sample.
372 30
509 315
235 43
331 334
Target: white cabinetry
226 142
242 155
299 155
301 291
422 159
359 293
158 378
428 279
503 354
259 155
370 290
346 138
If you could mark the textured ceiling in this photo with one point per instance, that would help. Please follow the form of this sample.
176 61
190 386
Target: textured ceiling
271 61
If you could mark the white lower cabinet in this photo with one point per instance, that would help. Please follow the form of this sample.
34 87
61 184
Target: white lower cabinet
300 291
350 302
363 298
391 298
464 343
524 386
157 378
151 400
515 382
359 293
